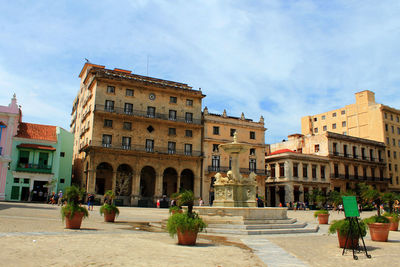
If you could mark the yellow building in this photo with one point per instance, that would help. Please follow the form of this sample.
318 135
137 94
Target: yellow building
136 135
365 119
219 129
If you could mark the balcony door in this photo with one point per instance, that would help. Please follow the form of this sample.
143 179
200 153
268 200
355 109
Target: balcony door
43 159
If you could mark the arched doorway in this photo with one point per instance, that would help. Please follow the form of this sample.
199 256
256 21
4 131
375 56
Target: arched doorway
147 182
104 173
123 184
170 181
187 180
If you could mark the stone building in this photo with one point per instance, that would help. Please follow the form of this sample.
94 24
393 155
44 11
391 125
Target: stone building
365 119
136 135
219 129
9 119
327 161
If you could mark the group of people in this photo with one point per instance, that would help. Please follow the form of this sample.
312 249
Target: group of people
56 198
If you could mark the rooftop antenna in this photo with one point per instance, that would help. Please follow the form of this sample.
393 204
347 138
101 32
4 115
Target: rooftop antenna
147 73
87 60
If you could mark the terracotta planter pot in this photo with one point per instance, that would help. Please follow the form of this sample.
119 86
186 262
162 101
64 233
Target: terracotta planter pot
109 217
187 238
75 222
394 225
323 218
379 231
174 211
351 243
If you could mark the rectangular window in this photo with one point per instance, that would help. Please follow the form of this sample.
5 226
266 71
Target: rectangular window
324 128
189 102
398 144
26 181
343 112
295 170
127 126
108 123
129 92
394 142
315 119
149 145
343 123
397 119
189 117
126 142
252 151
356 172
188 133
109 106
173 99
151 112
346 171
387 140
110 89
380 155
334 114
215 147
335 151
233 131
363 153
62 181
398 130
365 173
392 128
345 151
323 117
314 172
390 167
128 109
216 130
388 153
322 168
188 149
385 115
355 152
171 131
252 165
391 117
215 163
252 135
305 170
106 141
386 127
62 154
371 154
336 170
395 167
16 180
171 147
373 172
172 115
272 166
316 148
315 130
334 126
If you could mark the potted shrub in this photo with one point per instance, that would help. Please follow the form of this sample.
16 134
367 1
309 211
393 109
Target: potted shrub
73 212
109 210
323 216
378 225
394 220
174 209
342 228
186 224
378 228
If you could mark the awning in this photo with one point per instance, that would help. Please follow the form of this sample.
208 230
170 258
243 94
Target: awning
35 146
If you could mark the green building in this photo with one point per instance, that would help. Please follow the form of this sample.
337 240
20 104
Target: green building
41 162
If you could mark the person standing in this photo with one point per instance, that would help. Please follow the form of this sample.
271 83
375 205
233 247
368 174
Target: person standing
90 201
60 195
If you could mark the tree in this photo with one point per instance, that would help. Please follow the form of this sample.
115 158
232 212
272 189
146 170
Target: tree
371 195
123 184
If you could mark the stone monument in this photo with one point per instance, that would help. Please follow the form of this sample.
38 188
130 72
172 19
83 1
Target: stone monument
234 190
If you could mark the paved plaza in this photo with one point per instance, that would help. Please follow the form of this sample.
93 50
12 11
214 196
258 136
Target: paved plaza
34 235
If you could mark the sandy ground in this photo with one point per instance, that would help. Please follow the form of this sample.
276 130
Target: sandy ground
34 235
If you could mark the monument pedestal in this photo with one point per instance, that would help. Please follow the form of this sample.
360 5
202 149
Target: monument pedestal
235 195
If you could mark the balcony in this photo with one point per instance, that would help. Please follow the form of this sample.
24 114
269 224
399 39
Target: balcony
357 157
218 169
143 148
359 178
241 170
29 167
145 114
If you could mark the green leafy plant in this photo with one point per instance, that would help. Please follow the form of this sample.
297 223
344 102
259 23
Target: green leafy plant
320 212
73 194
185 222
376 219
173 209
370 194
186 198
343 227
108 206
395 216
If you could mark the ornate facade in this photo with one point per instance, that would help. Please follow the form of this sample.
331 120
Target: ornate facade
136 135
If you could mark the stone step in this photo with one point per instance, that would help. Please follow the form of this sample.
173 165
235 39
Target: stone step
240 221
308 229
257 226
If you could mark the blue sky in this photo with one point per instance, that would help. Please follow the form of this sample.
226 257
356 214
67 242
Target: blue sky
279 59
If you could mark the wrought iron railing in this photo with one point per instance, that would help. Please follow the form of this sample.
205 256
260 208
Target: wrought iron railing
30 167
146 114
359 178
337 154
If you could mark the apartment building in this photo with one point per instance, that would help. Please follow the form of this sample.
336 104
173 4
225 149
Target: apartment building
327 161
219 129
364 119
41 162
136 135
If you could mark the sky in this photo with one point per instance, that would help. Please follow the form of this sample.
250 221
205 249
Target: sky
279 59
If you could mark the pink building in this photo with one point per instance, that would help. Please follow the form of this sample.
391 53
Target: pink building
9 120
